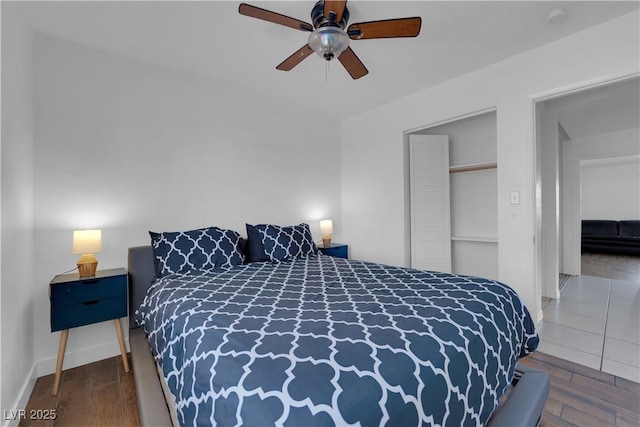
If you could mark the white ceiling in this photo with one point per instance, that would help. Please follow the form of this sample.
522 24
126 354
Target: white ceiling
210 38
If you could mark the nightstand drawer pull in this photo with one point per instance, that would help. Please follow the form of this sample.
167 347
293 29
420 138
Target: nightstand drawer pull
89 281
91 302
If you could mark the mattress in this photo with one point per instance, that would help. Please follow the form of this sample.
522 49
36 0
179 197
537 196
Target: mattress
327 341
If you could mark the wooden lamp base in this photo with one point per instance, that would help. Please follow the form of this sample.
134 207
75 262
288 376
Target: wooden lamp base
87 265
326 241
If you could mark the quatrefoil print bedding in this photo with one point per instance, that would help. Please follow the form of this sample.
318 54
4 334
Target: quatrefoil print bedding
201 249
282 243
325 341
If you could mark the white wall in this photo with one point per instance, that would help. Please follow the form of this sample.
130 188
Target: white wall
610 189
372 143
16 178
128 148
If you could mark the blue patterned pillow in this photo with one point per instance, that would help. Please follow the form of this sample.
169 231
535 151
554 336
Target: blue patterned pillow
282 243
255 248
200 249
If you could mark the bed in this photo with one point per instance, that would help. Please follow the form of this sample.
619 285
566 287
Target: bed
316 340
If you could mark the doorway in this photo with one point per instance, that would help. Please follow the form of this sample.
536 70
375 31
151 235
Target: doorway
583 129
593 320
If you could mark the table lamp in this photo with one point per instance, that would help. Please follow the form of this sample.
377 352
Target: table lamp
87 242
326 228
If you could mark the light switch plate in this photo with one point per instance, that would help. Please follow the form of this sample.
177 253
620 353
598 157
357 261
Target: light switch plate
515 197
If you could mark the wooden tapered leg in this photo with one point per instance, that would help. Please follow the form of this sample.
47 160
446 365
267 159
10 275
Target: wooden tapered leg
123 349
63 345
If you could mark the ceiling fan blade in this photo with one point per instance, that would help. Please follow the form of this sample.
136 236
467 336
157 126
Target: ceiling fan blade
352 63
388 28
336 7
295 59
276 18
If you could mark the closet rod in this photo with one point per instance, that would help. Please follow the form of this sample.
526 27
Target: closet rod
471 168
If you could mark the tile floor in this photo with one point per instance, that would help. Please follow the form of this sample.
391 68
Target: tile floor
596 323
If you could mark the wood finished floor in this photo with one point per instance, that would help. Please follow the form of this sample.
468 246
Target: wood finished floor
581 396
97 394
102 394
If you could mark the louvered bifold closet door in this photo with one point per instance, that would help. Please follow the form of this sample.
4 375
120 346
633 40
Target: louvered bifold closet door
430 204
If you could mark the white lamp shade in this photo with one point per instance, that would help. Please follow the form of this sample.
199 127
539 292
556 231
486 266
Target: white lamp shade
87 241
326 226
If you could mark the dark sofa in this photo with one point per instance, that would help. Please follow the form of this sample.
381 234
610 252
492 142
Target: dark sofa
611 237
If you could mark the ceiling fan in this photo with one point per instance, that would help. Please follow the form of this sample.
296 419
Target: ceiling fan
329 39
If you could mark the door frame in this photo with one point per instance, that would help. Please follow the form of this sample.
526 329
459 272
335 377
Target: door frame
536 100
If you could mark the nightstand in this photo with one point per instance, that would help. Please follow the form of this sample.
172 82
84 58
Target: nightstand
79 301
338 250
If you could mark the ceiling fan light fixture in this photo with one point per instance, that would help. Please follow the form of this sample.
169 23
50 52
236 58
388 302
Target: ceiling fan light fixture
328 42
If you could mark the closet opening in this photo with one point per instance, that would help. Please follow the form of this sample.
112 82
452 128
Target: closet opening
451 220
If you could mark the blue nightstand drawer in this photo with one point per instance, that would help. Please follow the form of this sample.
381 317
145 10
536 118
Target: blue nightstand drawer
88 312
337 250
88 289
78 301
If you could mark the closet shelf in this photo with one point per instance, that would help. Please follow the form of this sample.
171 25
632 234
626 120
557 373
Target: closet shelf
473 167
481 239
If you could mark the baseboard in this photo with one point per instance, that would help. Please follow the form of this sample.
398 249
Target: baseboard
80 357
11 417
540 318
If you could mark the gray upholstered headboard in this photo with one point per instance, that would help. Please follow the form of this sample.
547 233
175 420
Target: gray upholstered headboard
141 275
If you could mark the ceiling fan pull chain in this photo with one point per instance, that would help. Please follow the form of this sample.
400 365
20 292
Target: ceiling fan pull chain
326 72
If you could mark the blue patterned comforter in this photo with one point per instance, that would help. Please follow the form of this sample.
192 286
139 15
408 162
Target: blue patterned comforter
328 341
